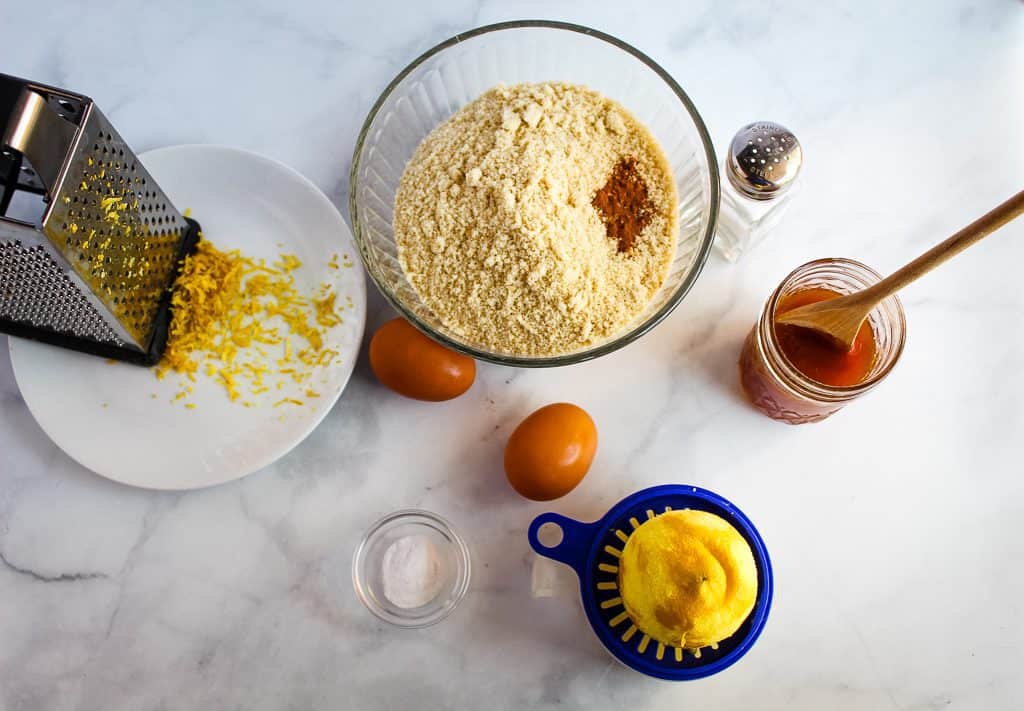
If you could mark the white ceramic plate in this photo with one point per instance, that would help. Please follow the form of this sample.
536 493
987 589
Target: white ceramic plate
124 424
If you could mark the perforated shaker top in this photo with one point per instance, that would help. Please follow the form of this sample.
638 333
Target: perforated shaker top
764 159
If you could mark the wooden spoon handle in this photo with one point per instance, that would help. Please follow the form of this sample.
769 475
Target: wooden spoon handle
983 226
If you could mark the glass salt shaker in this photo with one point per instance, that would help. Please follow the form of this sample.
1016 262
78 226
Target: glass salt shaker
761 168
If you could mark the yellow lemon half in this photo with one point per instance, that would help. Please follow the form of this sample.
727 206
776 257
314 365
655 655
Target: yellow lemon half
687 578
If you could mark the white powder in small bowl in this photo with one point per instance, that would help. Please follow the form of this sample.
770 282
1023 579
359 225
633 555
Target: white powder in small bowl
413 572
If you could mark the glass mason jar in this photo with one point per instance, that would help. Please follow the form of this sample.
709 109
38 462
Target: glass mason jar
782 392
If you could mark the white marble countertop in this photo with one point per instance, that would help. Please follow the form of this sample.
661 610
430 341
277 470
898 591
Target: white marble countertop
895 527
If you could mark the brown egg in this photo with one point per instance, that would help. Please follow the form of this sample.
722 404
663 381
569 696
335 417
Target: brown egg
413 365
550 451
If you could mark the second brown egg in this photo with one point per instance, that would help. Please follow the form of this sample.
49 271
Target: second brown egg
550 451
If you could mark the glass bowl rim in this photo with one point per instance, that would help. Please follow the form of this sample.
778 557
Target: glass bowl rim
703 250
411 516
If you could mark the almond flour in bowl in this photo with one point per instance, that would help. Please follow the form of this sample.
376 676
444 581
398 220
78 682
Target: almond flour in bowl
538 220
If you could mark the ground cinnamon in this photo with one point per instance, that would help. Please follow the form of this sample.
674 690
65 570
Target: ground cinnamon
623 204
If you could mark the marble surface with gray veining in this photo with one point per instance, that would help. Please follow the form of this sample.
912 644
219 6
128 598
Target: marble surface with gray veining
895 527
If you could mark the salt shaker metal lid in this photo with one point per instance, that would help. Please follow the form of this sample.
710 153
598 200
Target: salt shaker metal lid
764 160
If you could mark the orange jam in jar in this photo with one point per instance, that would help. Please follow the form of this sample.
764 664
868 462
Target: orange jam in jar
794 375
815 357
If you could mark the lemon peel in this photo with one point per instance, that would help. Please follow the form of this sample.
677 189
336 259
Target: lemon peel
687 578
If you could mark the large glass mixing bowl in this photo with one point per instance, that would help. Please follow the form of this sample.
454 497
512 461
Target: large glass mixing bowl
458 70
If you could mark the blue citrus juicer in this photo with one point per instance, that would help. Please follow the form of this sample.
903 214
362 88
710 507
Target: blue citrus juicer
593 550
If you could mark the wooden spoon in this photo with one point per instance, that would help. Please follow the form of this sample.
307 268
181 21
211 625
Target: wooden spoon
840 319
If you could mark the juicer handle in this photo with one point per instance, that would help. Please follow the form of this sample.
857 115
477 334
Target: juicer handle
577 539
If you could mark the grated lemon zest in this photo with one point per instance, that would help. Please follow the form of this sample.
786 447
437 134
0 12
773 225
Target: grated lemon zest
223 303
287 401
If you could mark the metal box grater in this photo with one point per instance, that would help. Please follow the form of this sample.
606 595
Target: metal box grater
89 243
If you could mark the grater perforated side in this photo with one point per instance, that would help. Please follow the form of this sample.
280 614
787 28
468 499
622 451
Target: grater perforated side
115 226
36 290
93 272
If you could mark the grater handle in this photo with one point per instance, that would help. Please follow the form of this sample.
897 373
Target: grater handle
573 549
38 132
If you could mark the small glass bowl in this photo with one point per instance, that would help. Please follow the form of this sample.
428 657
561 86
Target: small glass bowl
368 559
